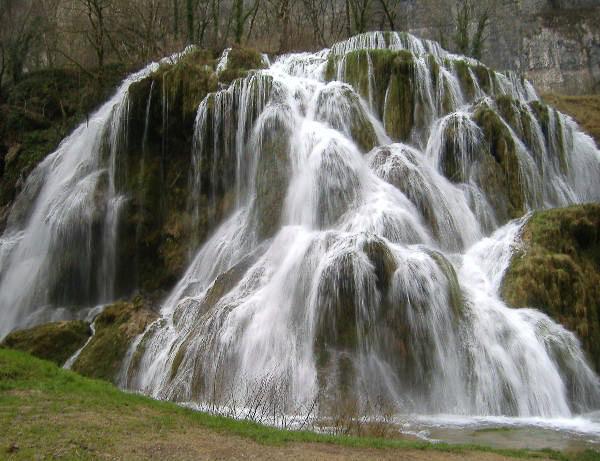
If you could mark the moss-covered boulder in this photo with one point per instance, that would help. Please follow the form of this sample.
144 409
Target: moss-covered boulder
155 225
115 328
340 107
240 61
55 341
499 174
400 167
272 174
557 270
386 79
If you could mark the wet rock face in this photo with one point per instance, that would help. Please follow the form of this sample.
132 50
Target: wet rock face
386 79
557 270
341 107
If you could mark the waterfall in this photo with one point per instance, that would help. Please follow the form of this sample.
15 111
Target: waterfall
59 249
378 280
375 188
68 201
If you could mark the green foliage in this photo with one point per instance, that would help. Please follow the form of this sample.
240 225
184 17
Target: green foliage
558 271
53 341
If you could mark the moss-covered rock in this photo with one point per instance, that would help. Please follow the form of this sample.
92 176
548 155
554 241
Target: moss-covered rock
465 77
272 175
55 341
339 106
500 175
240 61
158 229
557 270
115 328
38 113
386 78
153 172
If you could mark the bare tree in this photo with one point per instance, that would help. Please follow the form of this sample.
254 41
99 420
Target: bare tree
97 34
19 24
390 10
360 11
143 28
471 20
241 15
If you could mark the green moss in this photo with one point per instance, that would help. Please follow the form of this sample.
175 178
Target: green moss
584 109
485 77
52 341
115 327
39 112
271 178
464 76
558 271
391 89
177 360
383 261
240 61
186 82
502 148
455 295
552 130
156 234
360 127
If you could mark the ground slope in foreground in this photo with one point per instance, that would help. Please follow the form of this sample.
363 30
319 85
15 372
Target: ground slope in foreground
50 413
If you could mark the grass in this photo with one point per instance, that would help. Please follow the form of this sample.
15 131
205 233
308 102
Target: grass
584 109
49 412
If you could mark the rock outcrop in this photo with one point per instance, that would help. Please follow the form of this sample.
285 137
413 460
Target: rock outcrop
557 270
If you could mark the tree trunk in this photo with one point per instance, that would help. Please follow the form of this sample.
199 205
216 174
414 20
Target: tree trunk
284 19
190 21
238 15
176 19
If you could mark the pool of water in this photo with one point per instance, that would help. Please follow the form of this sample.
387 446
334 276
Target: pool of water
571 434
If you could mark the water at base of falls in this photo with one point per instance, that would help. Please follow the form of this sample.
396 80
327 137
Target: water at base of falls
353 275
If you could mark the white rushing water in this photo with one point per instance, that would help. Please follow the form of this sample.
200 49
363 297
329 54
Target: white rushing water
377 281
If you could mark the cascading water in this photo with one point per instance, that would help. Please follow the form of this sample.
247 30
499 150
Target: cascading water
376 280
355 267
59 249
68 202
